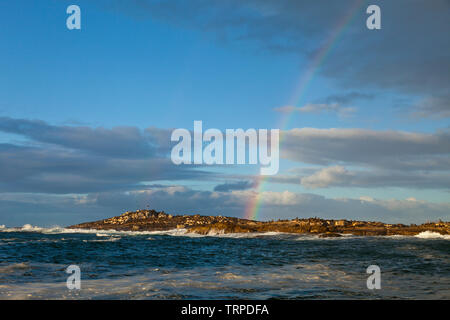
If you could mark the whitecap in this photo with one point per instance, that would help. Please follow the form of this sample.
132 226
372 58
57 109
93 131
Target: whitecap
432 235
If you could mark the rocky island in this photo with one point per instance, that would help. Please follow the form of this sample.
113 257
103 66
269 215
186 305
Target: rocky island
151 220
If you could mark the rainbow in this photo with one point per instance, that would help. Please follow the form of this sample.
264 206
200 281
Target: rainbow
254 204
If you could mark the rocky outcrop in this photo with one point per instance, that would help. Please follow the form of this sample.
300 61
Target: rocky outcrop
151 220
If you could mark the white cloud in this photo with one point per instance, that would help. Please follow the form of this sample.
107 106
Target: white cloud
64 210
339 176
325 177
435 107
384 149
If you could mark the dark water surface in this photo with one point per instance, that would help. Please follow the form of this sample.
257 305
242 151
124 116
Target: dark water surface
172 265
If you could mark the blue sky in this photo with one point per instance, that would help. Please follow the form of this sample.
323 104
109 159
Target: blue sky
83 112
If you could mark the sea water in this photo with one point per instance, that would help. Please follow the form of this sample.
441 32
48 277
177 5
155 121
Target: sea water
178 265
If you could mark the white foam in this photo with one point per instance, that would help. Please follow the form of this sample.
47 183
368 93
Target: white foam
97 232
101 235
29 227
172 232
112 239
432 235
185 233
222 234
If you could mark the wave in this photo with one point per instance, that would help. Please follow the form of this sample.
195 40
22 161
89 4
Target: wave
221 234
4 269
172 232
97 232
432 235
211 233
112 239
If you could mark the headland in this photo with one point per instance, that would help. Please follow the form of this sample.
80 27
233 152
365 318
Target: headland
151 220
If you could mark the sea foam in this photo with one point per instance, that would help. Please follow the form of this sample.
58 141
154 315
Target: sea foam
432 235
184 233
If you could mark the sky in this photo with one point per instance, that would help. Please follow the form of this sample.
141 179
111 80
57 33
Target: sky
86 115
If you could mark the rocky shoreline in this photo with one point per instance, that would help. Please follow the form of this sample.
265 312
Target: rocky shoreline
151 220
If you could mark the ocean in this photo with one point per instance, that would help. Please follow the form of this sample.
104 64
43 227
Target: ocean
176 265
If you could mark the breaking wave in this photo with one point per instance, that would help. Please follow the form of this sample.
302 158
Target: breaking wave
432 235
172 232
211 233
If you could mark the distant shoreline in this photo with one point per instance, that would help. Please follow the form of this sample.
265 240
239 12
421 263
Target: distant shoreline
151 220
